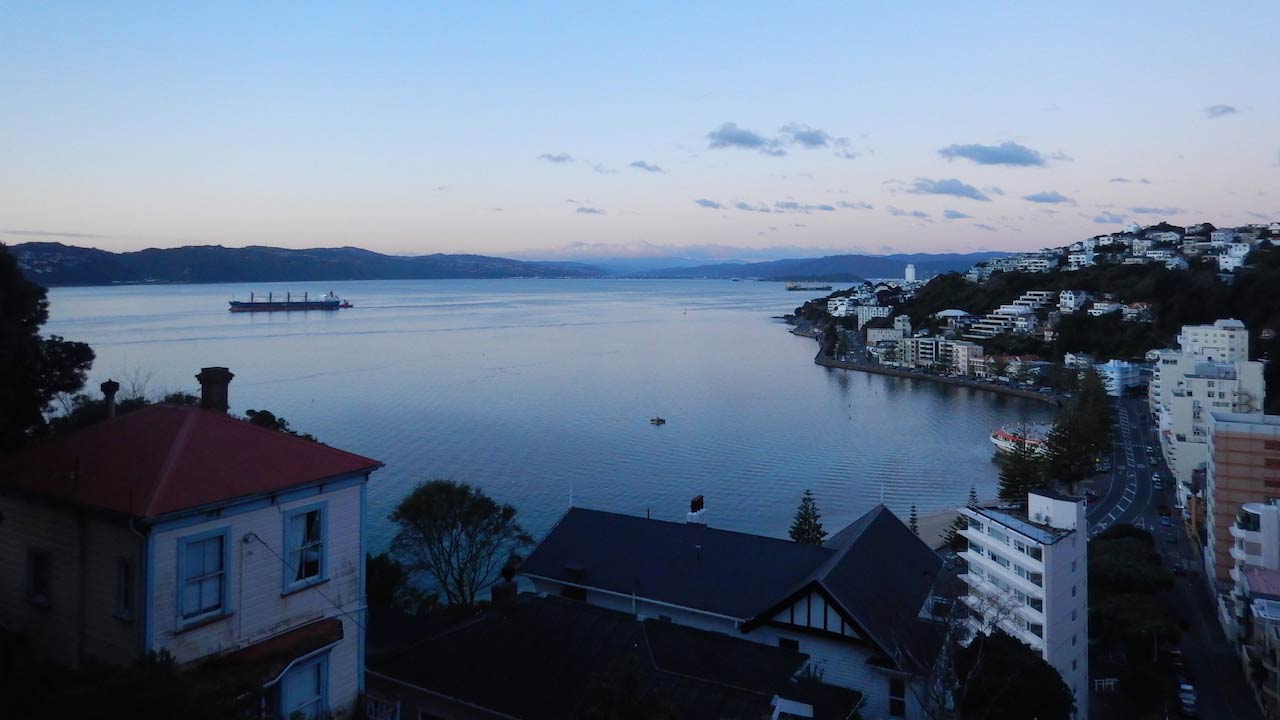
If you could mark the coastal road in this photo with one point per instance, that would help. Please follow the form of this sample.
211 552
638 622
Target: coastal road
1127 494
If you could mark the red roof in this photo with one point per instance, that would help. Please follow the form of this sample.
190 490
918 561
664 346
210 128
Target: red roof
166 458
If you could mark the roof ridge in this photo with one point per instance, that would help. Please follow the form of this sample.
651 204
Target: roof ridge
289 435
171 458
677 523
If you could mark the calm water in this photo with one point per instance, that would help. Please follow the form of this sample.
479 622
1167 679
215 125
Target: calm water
539 390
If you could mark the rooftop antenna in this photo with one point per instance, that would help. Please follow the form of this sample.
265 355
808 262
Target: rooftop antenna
882 491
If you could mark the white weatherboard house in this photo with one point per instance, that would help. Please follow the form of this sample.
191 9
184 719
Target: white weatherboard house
860 606
1028 574
185 530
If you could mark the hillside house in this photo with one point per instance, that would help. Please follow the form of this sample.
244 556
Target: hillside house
186 530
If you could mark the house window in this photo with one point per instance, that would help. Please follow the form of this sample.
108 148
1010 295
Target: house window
376 708
202 569
39 576
304 690
124 589
897 697
304 535
789 644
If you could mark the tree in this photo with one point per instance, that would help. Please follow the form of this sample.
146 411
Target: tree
388 585
1020 471
807 526
1004 678
270 421
1068 452
951 537
913 521
973 497
457 535
33 369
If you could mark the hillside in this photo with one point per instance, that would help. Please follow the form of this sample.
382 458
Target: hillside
57 264
832 268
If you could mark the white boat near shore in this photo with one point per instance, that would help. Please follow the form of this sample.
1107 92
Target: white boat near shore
1006 438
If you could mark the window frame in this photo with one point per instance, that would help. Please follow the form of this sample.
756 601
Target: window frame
34 556
224 607
125 595
321 660
287 570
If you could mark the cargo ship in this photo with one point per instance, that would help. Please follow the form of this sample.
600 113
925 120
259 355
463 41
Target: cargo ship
1006 439
328 301
807 286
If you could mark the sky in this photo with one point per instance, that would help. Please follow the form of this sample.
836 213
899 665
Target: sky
578 130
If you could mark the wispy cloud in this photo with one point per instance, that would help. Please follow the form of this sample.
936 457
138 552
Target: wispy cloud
729 135
1109 218
898 212
1006 153
1156 210
602 169
1061 157
647 167
1143 181
854 205
995 190
556 158
709 204
809 137
793 206
926 186
748 207
589 211
984 226
1048 196
52 233
1217 111
844 149
955 215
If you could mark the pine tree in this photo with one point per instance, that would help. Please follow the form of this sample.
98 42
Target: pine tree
913 521
1020 472
807 527
973 497
952 537
1068 452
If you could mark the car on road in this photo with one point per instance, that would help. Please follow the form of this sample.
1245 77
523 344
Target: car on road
1187 700
1166 522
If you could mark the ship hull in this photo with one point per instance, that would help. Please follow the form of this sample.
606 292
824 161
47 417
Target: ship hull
284 306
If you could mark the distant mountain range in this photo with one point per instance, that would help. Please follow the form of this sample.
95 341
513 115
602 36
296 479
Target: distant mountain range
833 268
58 264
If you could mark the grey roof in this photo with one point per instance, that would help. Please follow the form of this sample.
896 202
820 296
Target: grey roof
875 569
686 564
538 657
1015 518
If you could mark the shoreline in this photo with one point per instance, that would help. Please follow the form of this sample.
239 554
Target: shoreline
820 359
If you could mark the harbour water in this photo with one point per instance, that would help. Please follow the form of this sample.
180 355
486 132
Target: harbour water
540 392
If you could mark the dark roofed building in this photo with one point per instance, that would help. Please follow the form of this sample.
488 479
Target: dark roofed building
858 606
539 657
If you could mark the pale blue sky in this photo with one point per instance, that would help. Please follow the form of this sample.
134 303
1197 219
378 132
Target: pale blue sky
409 128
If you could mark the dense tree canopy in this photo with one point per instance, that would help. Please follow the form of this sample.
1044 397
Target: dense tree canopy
457 535
33 369
1004 679
1020 472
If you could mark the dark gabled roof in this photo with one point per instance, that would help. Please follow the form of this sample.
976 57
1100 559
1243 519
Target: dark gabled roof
168 458
879 574
536 658
876 571
685 564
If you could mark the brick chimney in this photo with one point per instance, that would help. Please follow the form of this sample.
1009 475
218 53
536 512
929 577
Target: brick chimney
109 390
213 388
697 510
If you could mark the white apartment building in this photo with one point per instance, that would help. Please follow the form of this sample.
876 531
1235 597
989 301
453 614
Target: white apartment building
1226 340
1161 254
909 275
876 335
1037 262
956 356
1119 376
903 323
1185 389
1222 237
867 313
1232 257
1027 573
1082 259
1142 245
1165 236
1070 301
839 306
1255 545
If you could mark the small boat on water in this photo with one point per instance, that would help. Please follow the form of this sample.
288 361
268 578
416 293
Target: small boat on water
328 301
807 286
1007 438
657 421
